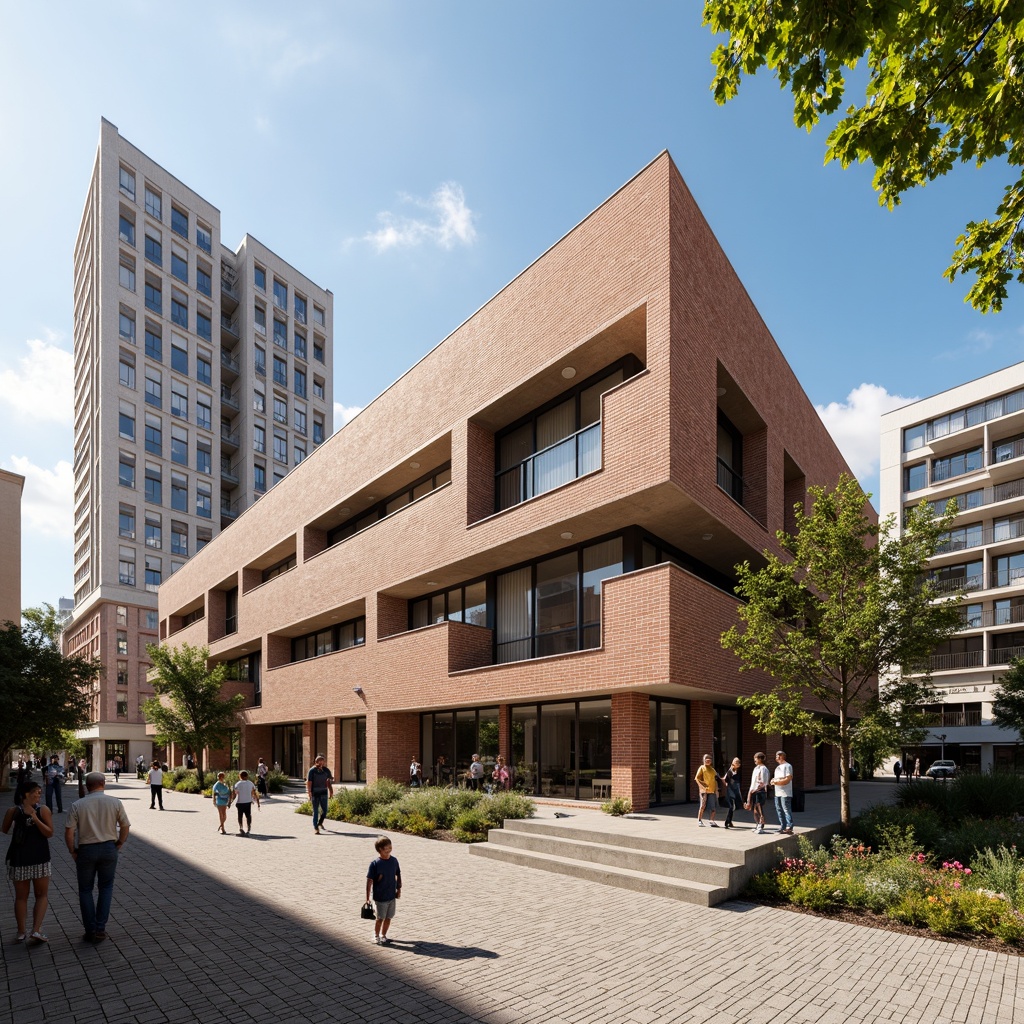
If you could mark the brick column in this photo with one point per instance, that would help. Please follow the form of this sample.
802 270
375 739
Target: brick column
392 738
505 731
257 742
631 748
308 739
702 736
333 751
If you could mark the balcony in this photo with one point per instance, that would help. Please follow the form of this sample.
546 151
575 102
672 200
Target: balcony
1004 655
228 475
948 662
954 719
229 326
228 438
558 464
980 581
229 398
993 535
229 365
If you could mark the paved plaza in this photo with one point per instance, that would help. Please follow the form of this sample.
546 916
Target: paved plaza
266 928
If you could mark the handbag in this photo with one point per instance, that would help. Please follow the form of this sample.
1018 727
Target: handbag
367 913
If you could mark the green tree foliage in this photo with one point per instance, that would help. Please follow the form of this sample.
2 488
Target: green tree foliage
188 709
943 86
1008 706
41 691
846 604
44 620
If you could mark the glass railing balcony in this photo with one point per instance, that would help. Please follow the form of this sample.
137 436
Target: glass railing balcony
1006 451
560 463
964 540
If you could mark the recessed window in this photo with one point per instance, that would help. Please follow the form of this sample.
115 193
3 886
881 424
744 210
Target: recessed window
179 310
280 334
154 573
259 438
154 435
179 538
179 359
126 422
318 430
259 278
300 309
204 458
126 326
204 499
279 568
300 420
179 399
204 416
318 388
154 387
179 492
126 230
154 531
260 319
260 360
300 382
318 350
259 402
154 203
300 453
204 282
122 642
154 251
204 326
204 238
259 477
280 371
280 294
154 484
300 345
281 446
126 571
126 274
915 477
154 344
318 316
179 267
204 370
126 522
126 181
126 370
280 410
154 297
179 445
179 222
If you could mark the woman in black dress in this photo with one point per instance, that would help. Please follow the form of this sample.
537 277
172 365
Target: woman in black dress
28 857
733 790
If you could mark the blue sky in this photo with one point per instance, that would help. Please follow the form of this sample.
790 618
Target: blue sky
414 157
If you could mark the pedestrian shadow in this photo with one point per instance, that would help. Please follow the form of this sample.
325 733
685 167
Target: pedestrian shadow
350 835
261 838
442 951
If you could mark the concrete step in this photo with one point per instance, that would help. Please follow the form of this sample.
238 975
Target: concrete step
598 849
614 837
699 893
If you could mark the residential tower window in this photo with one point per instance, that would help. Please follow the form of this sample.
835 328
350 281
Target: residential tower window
179 538
154 297
154 531
179 267
126 181
278 568
155 251
126 273
154 203
179 222
179 310
280 294
179 492
179 447
204 412
154 387
154 435
126 370
179 359
280 334
204 239
318 316
326 641
126 230
280 371
126 326
260 319
259 278
154 343
204 499
204 281
300 308
204 370
126 522
154 484
179 399
260 360
126 469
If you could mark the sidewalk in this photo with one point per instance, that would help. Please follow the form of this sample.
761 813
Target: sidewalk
266 928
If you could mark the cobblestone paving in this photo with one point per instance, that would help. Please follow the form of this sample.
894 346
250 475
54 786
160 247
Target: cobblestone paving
266 928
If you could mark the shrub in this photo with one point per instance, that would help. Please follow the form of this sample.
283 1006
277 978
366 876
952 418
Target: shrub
418 825
386 791
506 805
1001 872
819 894
617 806
189 783
471 826
276 781
379 816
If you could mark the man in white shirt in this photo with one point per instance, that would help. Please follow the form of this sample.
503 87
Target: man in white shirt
102 826
758 793
783 785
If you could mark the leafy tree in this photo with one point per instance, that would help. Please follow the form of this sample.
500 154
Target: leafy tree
943 86
44 620
1008 706
848 604
41 691
192 713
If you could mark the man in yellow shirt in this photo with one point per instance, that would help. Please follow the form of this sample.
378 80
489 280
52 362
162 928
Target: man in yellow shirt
707 783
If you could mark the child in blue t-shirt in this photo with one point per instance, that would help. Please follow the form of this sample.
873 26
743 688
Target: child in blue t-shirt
384 880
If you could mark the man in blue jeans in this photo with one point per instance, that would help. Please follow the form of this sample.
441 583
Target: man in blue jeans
54 776
102 827
319 789
783 783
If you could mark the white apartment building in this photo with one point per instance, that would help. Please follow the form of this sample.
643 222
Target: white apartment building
202 375
967 444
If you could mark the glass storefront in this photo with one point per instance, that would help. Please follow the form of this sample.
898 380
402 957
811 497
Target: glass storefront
287 743
669 745
563 749
449 739
353 749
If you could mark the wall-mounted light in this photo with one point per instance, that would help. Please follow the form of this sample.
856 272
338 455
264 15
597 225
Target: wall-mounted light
357 689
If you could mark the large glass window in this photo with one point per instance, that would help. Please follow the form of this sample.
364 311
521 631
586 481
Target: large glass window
670 774
179 222
154 250
555 444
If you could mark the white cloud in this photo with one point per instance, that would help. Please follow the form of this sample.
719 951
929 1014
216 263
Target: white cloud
47 501
40 387
272 47
855 425
449 222
343 413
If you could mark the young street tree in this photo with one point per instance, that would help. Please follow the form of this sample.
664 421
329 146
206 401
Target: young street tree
194 715
943 86
41 691
1008 706
850 604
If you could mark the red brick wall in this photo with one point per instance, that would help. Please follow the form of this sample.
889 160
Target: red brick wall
631 739
396 742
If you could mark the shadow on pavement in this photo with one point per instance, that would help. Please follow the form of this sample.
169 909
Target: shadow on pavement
443 951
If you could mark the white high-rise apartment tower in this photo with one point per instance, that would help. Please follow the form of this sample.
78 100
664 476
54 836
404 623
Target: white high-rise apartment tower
202 375
967 444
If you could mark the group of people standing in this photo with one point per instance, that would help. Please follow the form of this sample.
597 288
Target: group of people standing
761 784
501 776
96 829
912 769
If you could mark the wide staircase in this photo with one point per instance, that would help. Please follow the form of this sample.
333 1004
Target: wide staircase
691 872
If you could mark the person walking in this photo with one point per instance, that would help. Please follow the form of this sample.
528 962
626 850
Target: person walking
28 857
102 828
917 768
757 795
897 770
476 772
221 800
117 769
245 793
54 777
415 774
707 785
782 784
262 771
319 789
156 786
733 790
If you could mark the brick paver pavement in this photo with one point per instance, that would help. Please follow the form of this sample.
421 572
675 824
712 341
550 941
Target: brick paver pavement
266 928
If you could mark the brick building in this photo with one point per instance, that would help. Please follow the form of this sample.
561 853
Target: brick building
526 544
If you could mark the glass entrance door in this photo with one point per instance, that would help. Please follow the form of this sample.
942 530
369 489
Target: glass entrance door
670 731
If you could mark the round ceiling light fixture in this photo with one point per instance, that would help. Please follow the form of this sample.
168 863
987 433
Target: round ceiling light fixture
707 536
721 392
566 535
568 372
414 465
